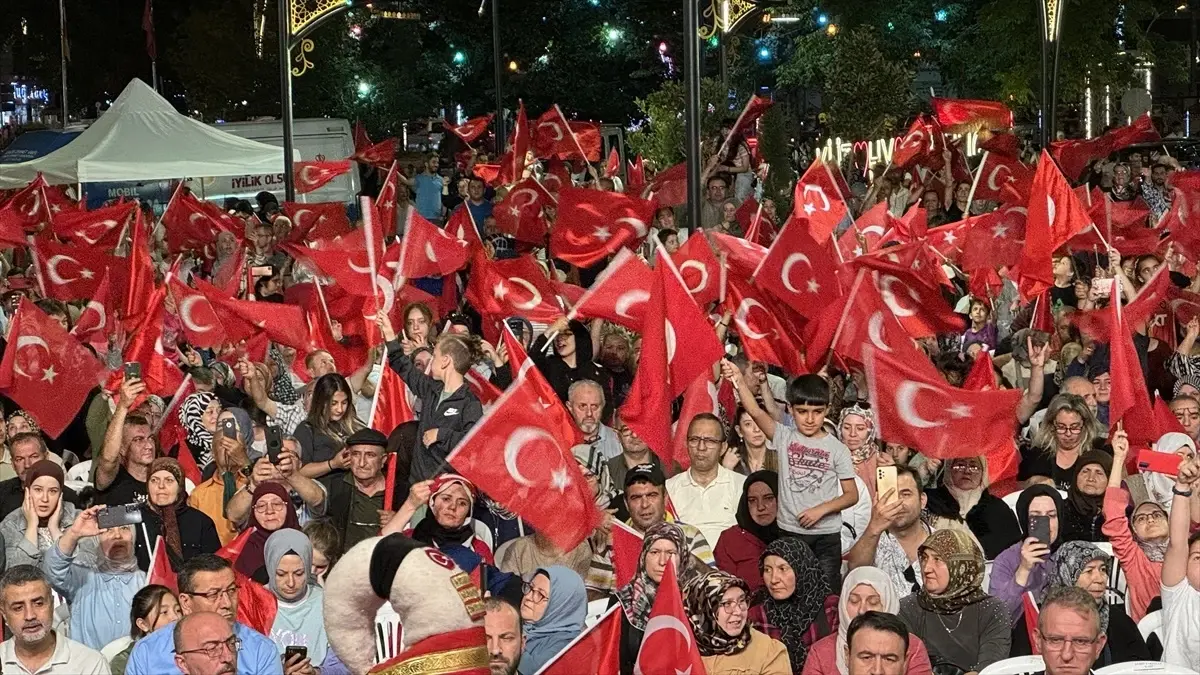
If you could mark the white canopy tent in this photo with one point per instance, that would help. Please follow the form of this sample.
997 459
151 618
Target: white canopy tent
142 137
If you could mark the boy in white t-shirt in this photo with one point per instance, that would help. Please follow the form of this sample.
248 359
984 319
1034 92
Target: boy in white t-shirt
816 473
1181 576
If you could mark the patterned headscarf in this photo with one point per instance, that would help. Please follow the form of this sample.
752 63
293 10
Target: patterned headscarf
868 447
637 597
1070 559
33 424
793 615
702 597
191 412
965 562
282 389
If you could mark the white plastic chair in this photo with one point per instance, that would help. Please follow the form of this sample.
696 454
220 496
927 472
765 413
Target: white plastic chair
1145 667
1118 585
1011 499
110 650
80 473
987 574
388 633
595 610
1018 665
1151 624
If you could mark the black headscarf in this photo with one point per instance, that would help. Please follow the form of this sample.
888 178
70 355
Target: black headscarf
583 341
1027 496
765 533
1088 506
793 615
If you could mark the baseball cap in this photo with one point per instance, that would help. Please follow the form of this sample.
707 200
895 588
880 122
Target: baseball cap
649 473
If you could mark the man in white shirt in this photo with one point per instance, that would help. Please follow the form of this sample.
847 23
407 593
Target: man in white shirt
707 494
1181 576
585 400
35 647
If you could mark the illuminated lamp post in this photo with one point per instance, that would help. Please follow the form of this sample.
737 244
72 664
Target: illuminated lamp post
1052 18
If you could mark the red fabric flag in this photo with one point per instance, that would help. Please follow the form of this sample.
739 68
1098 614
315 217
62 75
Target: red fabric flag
669 186
256 605
148 27
920 306
1055 215
756 223
517 287
513 169
93 325
560 420
798 270
994 239
361 140
1109 215
699 397
317 220
70 272
865 235
139 282
960 115
626 552
818 200
1164 418
1043 314
1129 392
45 370
519 214
758 323
161 375
636 176
862 318
281 322
380 155
310 176
390 408
557 176
538 478
471 129
199 318
1096 323
192 224
742 257
922 143
461 226
701 270
613 166
484 390
597 649
385 203
1030 611
755 107
593 225
999 171
1006 145
554 136
1074 155
27 211
668 646
160 567
619 293
101 228
587 139
427 251
982 376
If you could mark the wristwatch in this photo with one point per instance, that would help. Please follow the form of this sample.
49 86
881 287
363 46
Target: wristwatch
1181 493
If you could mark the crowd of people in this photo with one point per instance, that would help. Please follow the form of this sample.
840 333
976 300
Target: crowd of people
789 551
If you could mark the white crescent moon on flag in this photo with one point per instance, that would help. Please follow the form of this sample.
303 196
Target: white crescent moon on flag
185 315
108 225
304 177
743 311
875 332
363 269
558 133
628 299
513 446
889 297
36 203
98 308
52 270
389 294
876 230
991 181
820 191
786 272
665 622
699 267
300 216
669 334
906 394
638 225
913 139
533 197
1051 209
535 297
26 341
429 252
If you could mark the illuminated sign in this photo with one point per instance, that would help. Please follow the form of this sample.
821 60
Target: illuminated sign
870 153
26 93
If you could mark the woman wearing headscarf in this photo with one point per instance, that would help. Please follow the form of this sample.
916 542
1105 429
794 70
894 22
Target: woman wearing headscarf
865 589
186 531
1139 541
1026 566
198 415
1083 510
300 614
661 543
42 518
271 510
553 609
963 496
717 604
740 547
798 609
856 429
1080 563
1155 486
962 626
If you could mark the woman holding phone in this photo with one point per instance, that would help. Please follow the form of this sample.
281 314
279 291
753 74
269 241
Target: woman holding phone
1026 566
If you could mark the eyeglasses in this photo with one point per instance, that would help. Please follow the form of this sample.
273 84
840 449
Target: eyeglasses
213 596
1065 429
1057 642
966 468
213 649
269 507
538 596
728 606
710 443
1149 516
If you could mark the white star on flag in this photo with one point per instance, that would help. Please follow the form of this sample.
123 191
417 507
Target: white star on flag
85 273
1000 231
813 286
500 290
960 410
950 238
809 209
560 480
48 374
602 233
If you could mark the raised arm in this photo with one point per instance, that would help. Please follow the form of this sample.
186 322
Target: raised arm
1174 567
885 508
111 454
1037 381
761 417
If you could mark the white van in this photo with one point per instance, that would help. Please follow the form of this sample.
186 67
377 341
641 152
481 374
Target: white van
315 139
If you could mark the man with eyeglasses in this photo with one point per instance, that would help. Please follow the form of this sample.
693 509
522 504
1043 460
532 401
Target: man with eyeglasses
207 585
1068 631
707 494
205 645
35 647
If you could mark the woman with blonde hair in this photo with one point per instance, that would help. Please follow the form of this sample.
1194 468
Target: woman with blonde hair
1068 430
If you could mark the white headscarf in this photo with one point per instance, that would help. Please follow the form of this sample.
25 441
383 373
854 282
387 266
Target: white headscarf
869 576
1159 485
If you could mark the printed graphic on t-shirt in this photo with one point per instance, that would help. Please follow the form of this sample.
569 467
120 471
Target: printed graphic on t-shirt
806 467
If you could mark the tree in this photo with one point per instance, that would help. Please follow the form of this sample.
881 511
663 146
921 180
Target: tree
663 138
774 149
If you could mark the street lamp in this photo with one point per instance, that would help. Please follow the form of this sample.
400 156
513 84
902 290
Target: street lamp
1052 16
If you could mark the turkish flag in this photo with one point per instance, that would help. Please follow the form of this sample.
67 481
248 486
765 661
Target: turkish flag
537 477
519 214
256 604
592 224
462 226
160 567
139 282
587 139
1029 610
699 397
998 171
865 234
310 176
1109 215
380 155
1164 418
316 220
759 324
918 408
516 287
597 650
1054 216
741 257
198 316
161 375
1074 155
668 646
192 224
1097 323
982 376
385 204
557 176
93 325
798 270
555 136
101 228
702 272
45 370
70 272
513 164
994 239
818 199
471 129
569 293
755 107
920 306
1005 144
960 115
757 225
27 211
1140 131
1129 393
361 140
390 408
669 186
923 142
635 176
626 545
484 390
427 251
612 167
519 361
282 323
862 318
619 293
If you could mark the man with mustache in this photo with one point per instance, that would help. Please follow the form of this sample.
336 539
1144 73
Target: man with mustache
205 645
35 647
99 584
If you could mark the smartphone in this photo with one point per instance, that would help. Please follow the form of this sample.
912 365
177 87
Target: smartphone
116 516
262 271
1102 288
229 428
274 443
1159 462
1039 528
885 479
133 371
293 650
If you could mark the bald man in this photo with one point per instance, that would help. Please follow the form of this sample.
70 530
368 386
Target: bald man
205 645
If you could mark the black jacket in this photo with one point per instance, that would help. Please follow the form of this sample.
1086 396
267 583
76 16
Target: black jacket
561 376
453 417
197 534
338 501
1125 641
991 521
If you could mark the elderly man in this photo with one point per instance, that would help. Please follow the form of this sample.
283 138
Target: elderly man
100 591
1068 631
634 452
707 494
28 609
121 470
504 639
205 645
585 400
206 584
25 450
356 502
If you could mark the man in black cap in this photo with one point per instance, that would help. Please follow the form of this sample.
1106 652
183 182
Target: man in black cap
646 501
356 501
